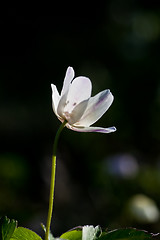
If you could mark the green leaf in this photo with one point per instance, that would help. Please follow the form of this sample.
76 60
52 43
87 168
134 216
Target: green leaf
85 233
126 234
24 234
75 234
91 233
7 228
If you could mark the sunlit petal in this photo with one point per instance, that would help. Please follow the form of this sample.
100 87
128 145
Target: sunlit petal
79 90
55 98
97 106
92 129
62 104
67 80
77 112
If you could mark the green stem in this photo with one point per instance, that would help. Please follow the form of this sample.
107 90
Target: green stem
52 186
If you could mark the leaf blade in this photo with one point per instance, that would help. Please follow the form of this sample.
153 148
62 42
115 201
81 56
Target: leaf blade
75 234
126 234
21 233
7 228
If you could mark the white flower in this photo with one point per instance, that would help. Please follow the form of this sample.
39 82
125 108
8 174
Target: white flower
76 105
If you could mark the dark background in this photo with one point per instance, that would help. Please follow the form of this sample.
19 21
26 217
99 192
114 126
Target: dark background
100 177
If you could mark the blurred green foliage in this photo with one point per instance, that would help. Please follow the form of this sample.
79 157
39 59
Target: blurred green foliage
116 44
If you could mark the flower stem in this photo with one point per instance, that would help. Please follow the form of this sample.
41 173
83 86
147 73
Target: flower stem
52 185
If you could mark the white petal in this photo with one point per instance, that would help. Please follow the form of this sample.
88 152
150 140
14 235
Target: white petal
77 112
92 129
62 104
79 90
67 80
97 106
55 98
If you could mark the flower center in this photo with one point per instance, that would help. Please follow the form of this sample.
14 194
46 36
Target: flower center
68 109
67 115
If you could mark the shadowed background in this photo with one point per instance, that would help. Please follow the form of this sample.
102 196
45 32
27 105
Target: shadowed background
112 180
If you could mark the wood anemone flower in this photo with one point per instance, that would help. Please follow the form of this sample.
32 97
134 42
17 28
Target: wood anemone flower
76 106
